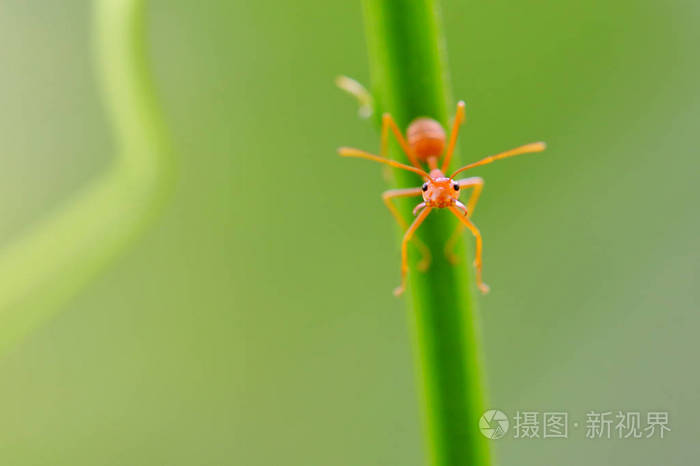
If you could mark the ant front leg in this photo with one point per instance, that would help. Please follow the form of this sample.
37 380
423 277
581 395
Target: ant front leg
387 197
459 119
477 184
404 243
389 123
462 216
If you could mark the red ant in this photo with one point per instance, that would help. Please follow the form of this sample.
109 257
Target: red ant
425 142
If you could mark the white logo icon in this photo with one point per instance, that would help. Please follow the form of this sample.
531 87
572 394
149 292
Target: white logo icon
494 424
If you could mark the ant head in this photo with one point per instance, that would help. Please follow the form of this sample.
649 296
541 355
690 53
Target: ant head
440 192
426 137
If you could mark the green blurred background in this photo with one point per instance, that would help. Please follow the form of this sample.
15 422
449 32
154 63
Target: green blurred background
253 323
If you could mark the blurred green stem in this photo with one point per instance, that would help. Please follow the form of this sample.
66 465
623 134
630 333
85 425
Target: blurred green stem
55 258
409 80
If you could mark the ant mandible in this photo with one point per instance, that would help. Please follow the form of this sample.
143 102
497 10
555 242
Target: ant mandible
425 142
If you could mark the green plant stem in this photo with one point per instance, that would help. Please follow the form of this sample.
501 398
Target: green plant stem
59 254
409 80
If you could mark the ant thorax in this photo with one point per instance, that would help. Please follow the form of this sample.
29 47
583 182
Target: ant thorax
440 191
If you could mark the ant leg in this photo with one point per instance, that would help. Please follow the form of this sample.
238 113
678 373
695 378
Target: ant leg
387 196
483 287
459 119
404 254
477 184
389 123
357 90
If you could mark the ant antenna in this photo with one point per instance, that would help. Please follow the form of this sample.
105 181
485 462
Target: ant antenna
526 149
350 152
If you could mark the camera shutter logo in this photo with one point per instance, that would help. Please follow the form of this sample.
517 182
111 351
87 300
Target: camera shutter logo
494 424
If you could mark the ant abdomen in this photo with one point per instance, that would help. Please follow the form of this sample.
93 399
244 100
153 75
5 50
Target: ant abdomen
426 137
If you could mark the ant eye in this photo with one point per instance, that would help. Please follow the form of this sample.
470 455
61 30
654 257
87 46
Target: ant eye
424 187
456 187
